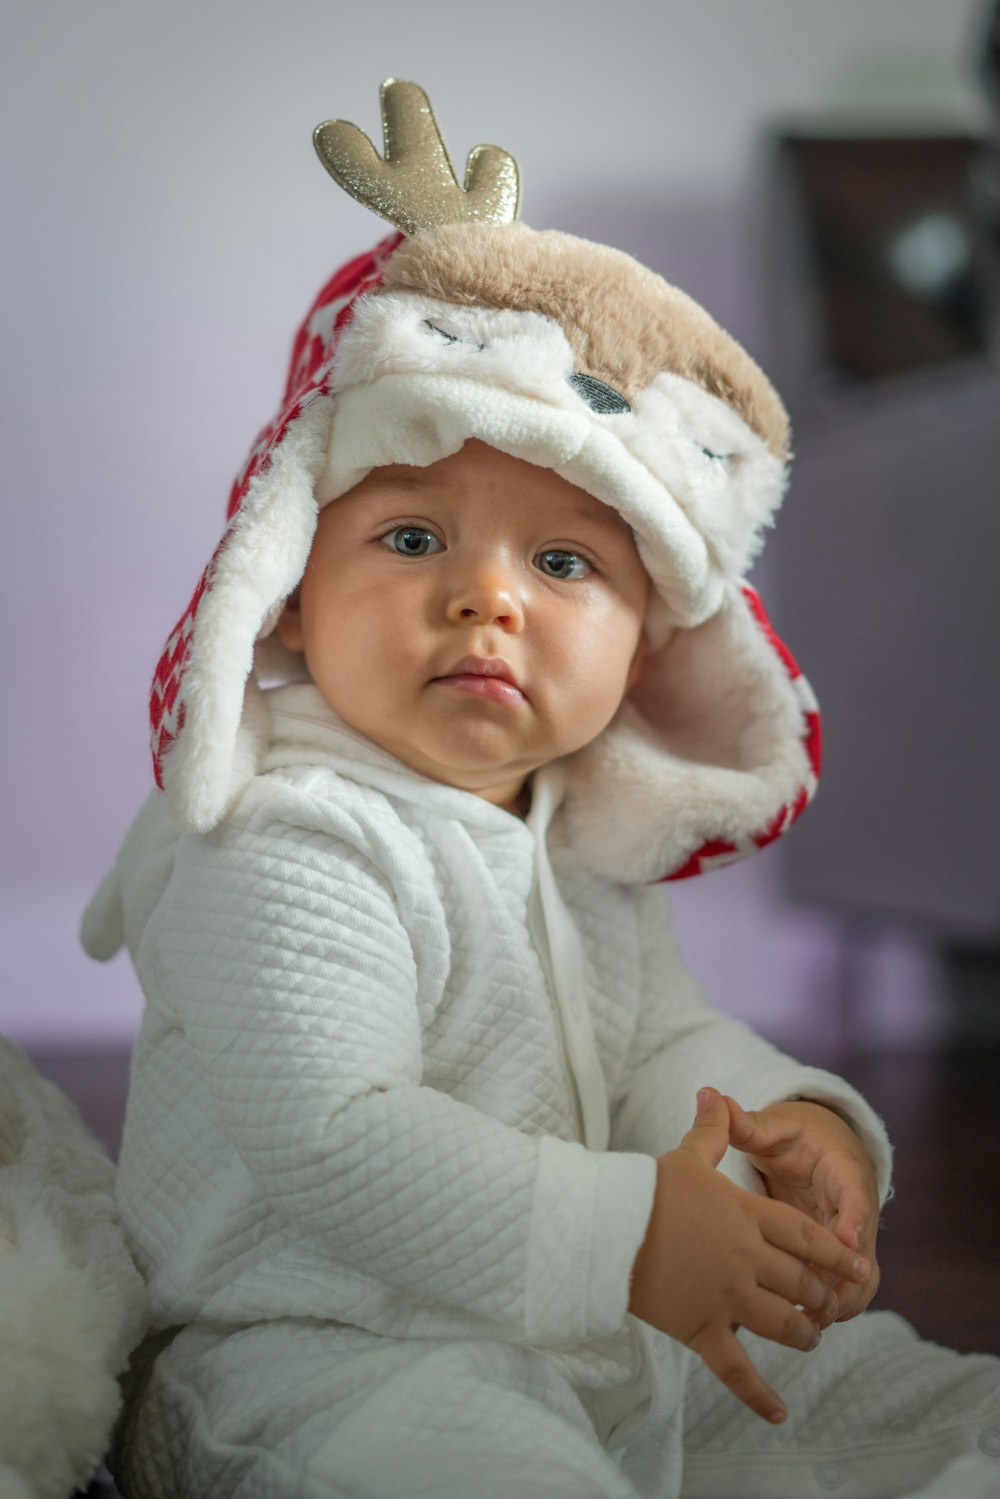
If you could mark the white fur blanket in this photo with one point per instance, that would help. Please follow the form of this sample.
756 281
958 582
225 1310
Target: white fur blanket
72 1304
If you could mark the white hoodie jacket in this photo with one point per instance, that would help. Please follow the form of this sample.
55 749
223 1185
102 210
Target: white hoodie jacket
403 1065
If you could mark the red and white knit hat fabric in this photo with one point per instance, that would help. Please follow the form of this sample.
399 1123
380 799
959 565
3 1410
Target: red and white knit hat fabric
713 755
178 694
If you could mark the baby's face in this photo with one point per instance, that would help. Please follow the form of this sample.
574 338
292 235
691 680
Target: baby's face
484 556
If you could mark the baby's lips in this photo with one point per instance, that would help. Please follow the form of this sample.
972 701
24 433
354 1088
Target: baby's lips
484 666
472 670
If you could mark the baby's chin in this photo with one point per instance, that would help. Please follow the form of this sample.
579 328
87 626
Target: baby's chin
496 780
474 749
468 761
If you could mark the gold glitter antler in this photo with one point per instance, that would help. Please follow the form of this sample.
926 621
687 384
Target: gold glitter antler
414 186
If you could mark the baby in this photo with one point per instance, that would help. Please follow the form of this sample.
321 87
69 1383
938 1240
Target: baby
409 1165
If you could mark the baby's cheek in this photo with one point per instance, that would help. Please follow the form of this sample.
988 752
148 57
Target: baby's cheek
600 671
587 704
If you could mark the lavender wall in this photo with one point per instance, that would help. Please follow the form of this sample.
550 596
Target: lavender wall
166 225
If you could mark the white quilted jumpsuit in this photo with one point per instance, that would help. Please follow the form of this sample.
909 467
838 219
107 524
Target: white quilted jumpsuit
405 1065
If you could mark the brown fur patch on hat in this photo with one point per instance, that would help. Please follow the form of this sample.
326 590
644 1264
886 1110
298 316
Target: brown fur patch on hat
624 323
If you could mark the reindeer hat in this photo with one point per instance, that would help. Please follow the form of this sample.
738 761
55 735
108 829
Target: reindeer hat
572 356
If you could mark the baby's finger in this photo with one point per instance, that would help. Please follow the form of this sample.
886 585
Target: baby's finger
850 1302
856 1299
755 1130
786 1228
729 1362
709 1134
773 1317
799 1284
853 1212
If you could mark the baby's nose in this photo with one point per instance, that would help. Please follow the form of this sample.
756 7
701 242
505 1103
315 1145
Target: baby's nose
487 595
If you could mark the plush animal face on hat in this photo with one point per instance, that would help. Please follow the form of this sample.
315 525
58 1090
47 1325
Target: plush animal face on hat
573 357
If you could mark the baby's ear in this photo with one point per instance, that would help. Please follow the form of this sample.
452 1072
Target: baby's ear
289 625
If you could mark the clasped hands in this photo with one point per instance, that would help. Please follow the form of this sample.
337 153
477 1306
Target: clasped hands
716 1257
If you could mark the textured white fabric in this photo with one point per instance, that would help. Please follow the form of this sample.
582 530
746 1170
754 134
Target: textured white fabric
405 1065
353 1092
344 1414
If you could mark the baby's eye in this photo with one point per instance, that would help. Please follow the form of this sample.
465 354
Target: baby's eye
411 541
564 565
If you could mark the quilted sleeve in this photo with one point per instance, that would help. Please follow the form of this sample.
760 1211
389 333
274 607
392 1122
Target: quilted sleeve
681 1044
281 951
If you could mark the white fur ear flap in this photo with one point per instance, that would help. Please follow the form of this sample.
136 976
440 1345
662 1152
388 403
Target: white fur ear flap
713 755
205 756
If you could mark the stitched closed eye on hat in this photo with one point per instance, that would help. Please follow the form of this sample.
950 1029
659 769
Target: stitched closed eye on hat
464 323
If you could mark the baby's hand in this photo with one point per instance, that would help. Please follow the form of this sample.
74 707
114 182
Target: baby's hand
716 1258
810 1158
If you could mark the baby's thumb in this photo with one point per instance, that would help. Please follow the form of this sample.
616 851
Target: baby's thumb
709 1135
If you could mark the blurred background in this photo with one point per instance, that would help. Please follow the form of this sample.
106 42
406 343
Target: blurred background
825 179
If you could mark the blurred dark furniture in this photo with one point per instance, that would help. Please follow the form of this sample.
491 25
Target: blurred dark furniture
884 289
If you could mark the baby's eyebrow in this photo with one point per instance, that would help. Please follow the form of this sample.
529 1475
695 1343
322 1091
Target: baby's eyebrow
404 480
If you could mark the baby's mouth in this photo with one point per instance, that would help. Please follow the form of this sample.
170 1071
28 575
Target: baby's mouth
488 677
495 689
